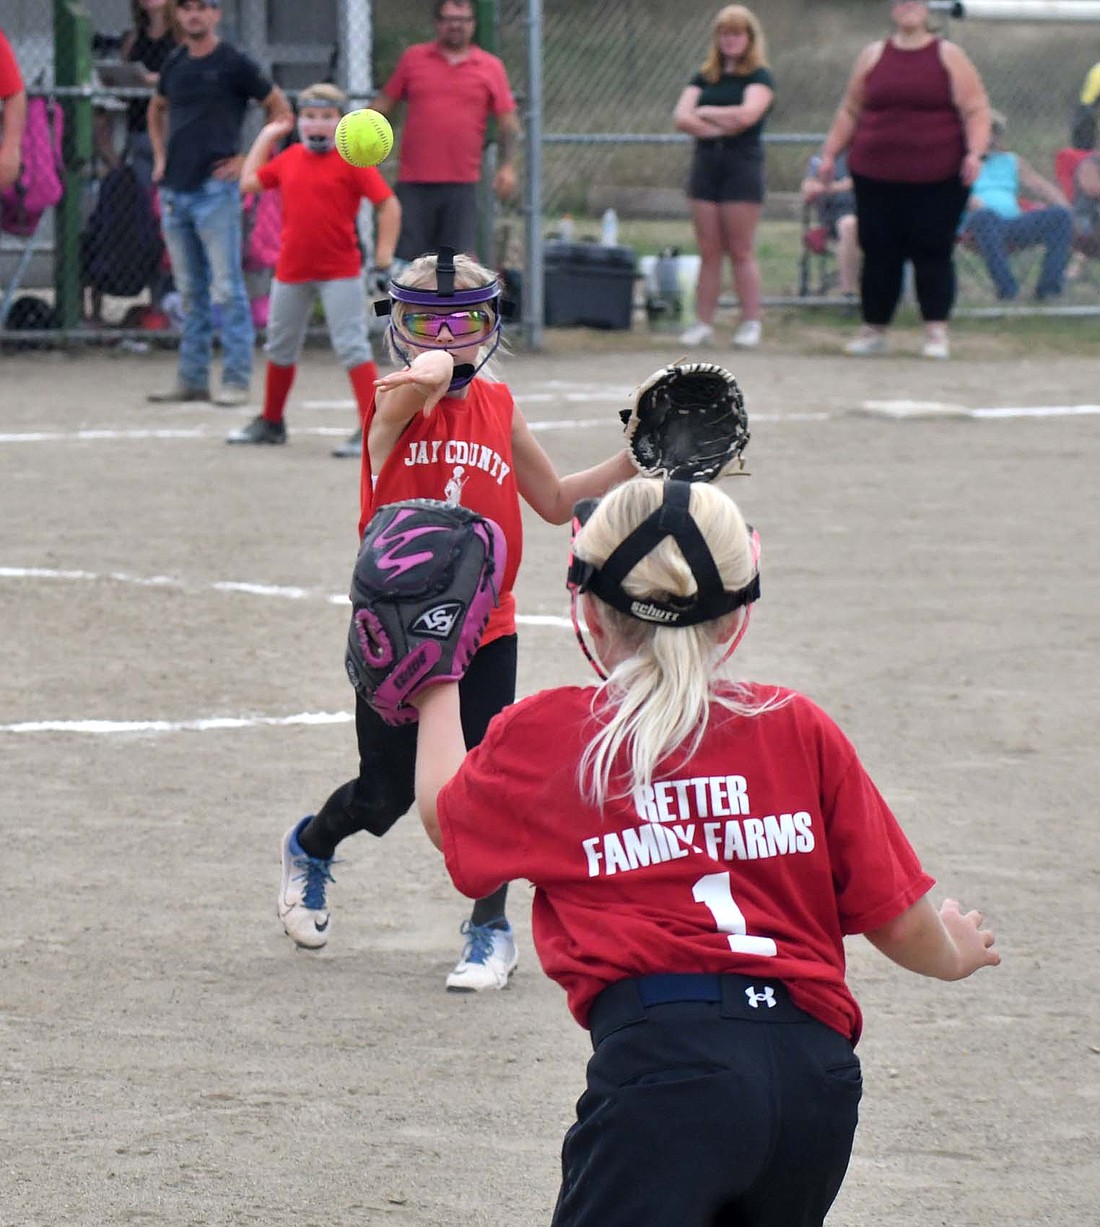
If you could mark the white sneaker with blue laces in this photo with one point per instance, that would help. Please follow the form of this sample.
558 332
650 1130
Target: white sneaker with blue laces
488 958
302 905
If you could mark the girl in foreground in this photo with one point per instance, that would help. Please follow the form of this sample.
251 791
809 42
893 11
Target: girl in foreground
699 849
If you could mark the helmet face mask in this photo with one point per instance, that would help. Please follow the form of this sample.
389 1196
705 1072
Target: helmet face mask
443 317
317 128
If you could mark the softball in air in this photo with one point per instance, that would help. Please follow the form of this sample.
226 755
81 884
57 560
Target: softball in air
364 138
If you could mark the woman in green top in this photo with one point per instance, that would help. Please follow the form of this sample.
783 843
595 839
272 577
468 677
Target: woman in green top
724 109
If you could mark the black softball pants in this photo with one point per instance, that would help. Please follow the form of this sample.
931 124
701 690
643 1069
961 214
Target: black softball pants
914 222
730 1108
384 789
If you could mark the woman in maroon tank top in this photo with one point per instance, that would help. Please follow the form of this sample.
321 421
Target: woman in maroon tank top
915 122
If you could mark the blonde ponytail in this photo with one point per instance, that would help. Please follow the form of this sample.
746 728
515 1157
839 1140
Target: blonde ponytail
663 679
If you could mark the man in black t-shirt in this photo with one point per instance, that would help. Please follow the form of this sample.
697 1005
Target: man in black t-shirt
195 120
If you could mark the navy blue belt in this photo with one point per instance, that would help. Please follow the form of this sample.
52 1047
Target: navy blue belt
752 998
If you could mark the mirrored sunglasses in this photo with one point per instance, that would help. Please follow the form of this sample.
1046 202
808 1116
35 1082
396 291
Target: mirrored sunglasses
471 324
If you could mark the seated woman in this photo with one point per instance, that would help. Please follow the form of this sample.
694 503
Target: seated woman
997 223
835 205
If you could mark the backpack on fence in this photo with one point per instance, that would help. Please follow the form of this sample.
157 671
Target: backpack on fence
121 248
39 186
263 225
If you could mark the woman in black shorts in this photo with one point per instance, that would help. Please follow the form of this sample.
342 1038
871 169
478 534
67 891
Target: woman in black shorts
724 109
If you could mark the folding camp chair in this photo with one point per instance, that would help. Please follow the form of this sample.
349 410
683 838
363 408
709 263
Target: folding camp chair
817 271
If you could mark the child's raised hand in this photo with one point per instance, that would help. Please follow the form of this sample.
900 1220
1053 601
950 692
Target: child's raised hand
429 374
279 128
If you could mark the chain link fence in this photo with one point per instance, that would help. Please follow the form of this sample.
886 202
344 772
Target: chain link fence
611 71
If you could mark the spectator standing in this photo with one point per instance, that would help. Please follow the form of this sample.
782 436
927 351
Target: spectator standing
705 956
724 108
153 36
835 206
13 96
915 122
451 88
195 120
996 221
319 255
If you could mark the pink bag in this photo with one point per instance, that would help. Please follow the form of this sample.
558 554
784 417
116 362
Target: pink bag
39 186
263 228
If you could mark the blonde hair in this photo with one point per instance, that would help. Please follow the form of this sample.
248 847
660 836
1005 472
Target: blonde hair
735 18
324 93
658 696
420 275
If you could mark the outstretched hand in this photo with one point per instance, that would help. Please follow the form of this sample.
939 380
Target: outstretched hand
429 374
973 944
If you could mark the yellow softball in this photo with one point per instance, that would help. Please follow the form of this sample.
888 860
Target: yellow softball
364 138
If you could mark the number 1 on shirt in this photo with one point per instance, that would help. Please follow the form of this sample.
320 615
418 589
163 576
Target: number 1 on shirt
713 891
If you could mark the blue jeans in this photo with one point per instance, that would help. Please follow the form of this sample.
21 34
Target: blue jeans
996 235
202 230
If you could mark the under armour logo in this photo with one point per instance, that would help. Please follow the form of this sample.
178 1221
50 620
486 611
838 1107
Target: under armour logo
755 998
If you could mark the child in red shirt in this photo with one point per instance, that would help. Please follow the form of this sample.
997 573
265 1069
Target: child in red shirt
319 255
13 107
440 430
699 849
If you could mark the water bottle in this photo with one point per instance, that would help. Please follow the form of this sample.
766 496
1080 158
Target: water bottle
609 229
566 229
668 280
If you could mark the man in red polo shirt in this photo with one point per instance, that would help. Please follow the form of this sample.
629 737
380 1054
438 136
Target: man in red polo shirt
450 87
13 108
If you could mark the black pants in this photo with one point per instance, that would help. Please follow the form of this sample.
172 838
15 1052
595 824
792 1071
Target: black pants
437 213
915 222
384 789
730 1109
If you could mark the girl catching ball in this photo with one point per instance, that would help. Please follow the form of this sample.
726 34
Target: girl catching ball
699 849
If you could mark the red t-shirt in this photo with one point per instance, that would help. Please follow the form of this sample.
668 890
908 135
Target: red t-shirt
11 79
756 856
448 107
320 195
461 453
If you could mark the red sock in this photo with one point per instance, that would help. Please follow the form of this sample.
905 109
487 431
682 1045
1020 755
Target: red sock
362 381
277 385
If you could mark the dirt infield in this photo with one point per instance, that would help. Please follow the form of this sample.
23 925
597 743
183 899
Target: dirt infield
174 697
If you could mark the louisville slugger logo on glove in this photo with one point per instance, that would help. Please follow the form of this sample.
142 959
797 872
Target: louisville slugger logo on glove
688 423
426 579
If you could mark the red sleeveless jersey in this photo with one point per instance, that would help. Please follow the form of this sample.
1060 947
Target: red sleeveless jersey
461 453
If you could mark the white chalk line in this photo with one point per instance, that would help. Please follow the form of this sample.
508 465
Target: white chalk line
206 725
943 409
327 432
901 409
282 592
213 723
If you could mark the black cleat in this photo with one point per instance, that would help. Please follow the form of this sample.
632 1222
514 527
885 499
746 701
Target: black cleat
259 431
